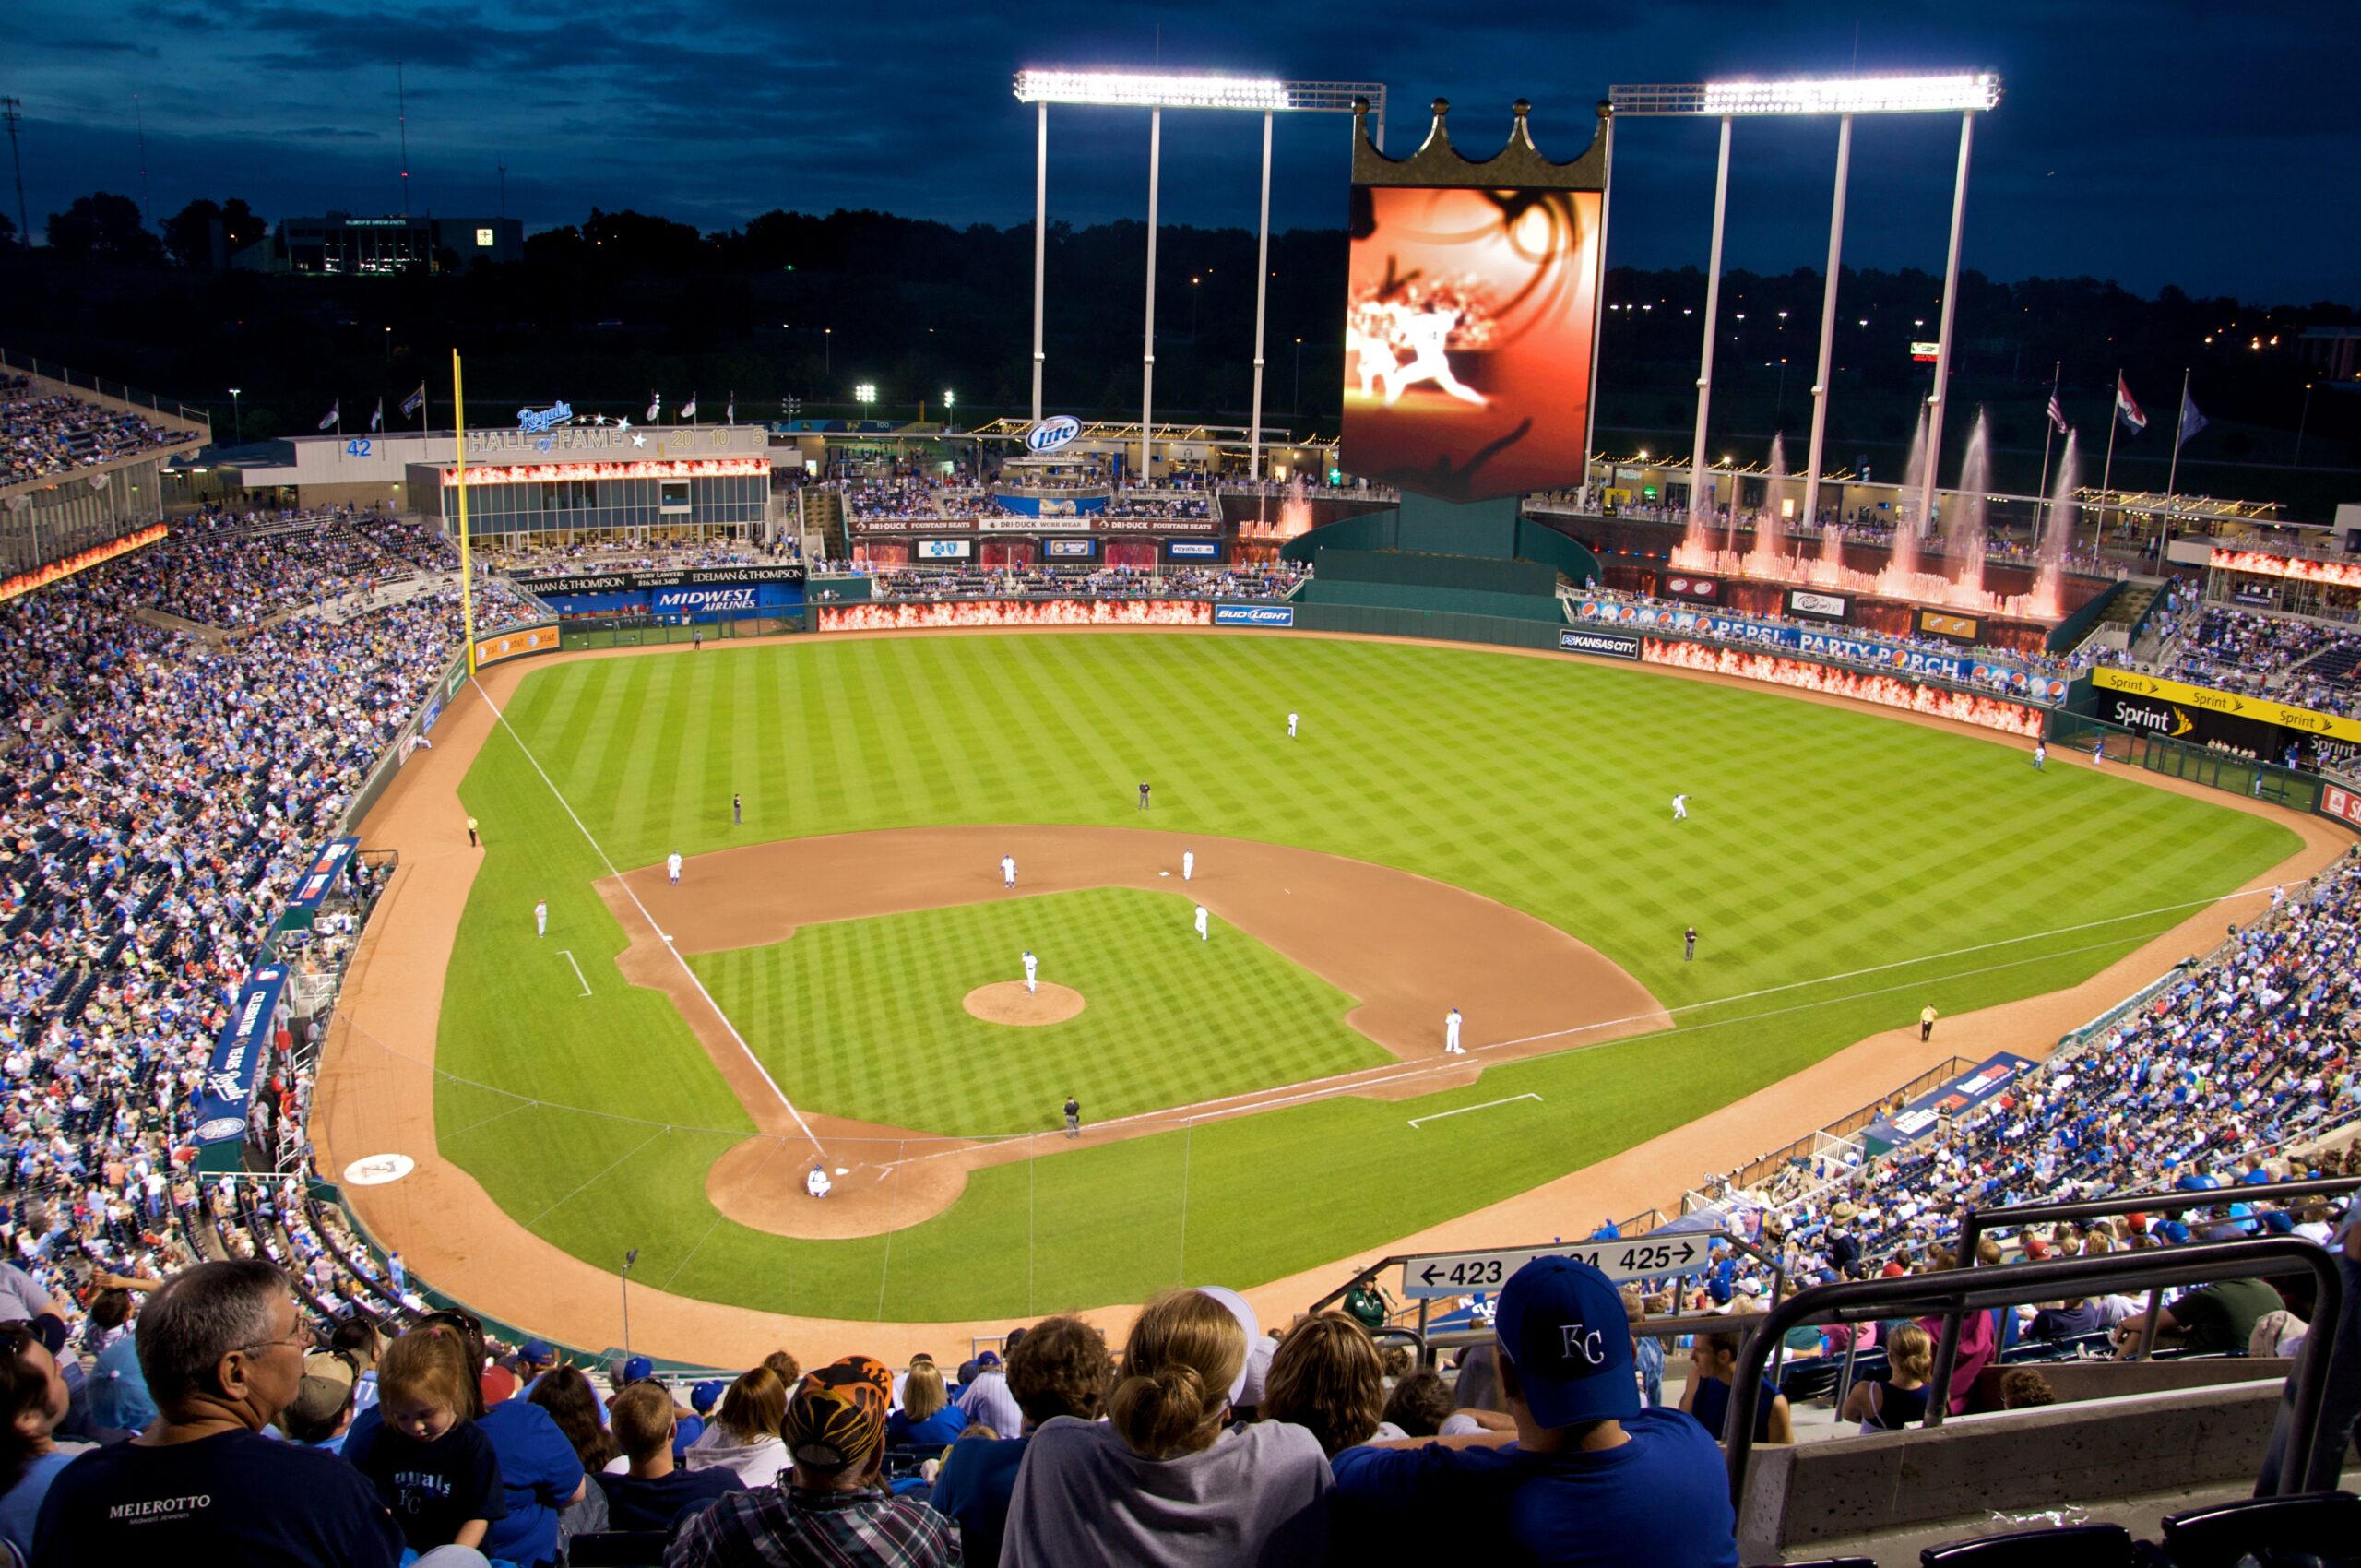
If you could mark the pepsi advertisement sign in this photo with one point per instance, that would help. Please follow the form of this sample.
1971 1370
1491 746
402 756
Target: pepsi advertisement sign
1253 614
1053 434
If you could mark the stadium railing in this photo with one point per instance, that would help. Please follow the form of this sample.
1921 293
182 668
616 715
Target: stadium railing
1976 1222
1762 1165
1961 1290
115 392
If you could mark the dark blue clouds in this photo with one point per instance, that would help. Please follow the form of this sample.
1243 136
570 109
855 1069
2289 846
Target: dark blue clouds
2170 141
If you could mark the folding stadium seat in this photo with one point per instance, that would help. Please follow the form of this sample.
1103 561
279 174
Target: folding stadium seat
2313 1527
2071 1546
617 1549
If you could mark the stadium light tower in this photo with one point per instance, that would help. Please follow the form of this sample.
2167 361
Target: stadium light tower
1966 94
1155 91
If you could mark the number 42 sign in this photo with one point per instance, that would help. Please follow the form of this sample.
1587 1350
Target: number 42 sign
1457 1274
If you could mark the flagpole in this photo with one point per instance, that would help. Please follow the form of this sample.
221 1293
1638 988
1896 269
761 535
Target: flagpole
459 443
2180 434
2048 429
2106 476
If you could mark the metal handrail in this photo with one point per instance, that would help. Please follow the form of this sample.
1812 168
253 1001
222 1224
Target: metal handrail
1961 1290
1976 1222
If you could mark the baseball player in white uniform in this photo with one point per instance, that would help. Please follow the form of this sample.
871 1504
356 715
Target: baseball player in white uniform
672 866
2040 754
1291 719
817 1183
1032 966
541 918
1188 864
1680 808
1450 1045
1008 870
1204 931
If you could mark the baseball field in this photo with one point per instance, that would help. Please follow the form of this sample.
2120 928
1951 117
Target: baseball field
831 981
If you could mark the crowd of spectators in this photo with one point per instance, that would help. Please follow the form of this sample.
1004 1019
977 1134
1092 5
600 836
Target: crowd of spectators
236 570
1242 581
41 436
2285 658
909 497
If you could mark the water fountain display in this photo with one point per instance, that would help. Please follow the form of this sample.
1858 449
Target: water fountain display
2056 535
1956 578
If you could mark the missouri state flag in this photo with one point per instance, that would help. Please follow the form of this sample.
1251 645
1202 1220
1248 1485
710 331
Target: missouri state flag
2126 409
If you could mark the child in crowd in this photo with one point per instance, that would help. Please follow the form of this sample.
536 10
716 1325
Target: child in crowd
433 1470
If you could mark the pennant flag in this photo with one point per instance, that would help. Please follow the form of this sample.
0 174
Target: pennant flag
2128 410
2057 414
377 419
334 417
2191 422
689 409
415 402
655 406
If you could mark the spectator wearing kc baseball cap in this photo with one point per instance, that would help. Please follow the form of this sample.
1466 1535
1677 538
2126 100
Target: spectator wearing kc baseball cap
1588 1477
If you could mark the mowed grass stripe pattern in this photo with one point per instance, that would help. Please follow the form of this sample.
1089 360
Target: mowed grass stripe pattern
1168 1019
1823 841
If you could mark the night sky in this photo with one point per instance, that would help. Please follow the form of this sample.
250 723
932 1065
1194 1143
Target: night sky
2170 141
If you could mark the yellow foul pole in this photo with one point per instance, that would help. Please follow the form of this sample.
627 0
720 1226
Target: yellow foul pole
466 578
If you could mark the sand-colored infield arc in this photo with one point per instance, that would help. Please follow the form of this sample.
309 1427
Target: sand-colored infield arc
376 1083
1009 1003
1406 947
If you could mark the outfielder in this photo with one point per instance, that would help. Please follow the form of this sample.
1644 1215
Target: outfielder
1188 864
1291 726
1680 808
1451 1034
1008 870
673 866
541 918
2040 754
1032 965
1204 935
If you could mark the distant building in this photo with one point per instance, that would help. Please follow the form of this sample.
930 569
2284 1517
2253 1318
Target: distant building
2336 349
340 245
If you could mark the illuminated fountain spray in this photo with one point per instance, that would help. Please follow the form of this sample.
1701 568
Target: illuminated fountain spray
1295 512
2056 534
1964 519
1906 523
1771 524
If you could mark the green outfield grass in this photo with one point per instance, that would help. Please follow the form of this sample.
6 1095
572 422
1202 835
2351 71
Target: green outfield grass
909 1055
1890 865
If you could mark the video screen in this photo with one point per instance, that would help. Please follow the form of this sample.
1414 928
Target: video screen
1468 339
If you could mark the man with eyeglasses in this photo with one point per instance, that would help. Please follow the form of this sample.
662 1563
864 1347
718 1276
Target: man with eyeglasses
222 1349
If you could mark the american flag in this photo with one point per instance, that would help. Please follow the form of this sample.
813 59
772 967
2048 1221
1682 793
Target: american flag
2057 414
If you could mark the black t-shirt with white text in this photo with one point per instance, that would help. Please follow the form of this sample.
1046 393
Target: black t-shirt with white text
235 1498
433 1487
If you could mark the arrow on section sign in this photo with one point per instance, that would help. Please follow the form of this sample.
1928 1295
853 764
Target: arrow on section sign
1649 1258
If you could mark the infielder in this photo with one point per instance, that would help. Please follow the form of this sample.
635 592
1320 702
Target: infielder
672 866
1204 935
1688 945
1680 808
1074 1117
1188 864
1008 870
737 810
1451 1034
817 1183
1032 965
1291 726
541 918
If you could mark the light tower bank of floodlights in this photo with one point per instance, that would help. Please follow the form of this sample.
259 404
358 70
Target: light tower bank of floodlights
1155 91
1964 94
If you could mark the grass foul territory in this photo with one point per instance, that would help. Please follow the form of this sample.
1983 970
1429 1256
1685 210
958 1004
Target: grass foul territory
1821 842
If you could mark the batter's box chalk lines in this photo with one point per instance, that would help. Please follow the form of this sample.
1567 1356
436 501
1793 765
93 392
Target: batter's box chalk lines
568 954
1466 1108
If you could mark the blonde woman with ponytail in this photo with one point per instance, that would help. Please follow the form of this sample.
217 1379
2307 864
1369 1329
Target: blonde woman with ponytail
1163 1482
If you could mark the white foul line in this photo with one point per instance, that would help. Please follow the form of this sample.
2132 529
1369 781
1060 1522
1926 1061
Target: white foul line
600 849
568 954
1466 1108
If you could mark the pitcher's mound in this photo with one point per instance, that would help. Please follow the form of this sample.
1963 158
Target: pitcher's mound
1009 1003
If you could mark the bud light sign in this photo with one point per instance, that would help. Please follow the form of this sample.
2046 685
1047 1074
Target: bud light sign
1053 434
1253 614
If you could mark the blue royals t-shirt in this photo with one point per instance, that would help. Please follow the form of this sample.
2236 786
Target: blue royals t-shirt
235 1498
538 1473
1661 1497
432 1488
